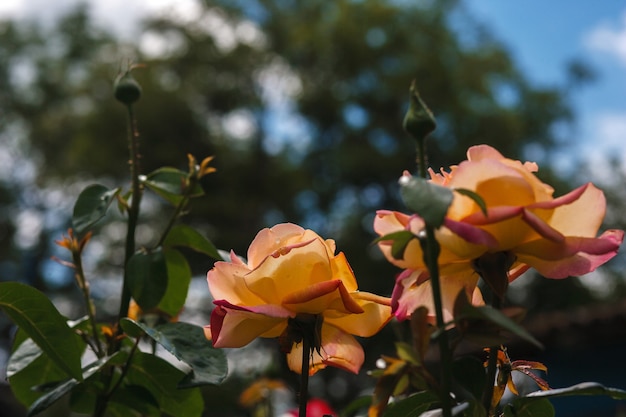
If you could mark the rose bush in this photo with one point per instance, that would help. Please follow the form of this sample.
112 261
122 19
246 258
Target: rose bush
292 273
523 221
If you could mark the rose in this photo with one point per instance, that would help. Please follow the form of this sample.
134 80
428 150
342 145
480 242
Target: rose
293 278
523 222
315 407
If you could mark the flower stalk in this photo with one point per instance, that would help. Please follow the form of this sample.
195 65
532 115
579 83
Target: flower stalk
493 269
419 122
133 211
127 91
304 376
76 247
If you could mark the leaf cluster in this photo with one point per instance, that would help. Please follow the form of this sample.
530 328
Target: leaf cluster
101 366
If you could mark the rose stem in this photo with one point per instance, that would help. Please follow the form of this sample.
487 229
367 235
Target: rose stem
304 377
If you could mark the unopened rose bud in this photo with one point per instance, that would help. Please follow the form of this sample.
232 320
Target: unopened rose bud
419 120
127 89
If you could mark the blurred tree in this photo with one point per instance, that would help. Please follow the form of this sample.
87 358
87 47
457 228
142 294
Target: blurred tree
301 102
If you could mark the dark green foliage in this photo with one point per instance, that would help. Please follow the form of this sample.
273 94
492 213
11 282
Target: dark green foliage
430 201
34 313
91 206
188 344
147 277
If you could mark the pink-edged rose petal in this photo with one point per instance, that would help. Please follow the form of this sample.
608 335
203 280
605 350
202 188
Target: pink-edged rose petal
235 326
577 256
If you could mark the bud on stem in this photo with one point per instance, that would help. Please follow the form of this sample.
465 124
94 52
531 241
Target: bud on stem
126 89
419 121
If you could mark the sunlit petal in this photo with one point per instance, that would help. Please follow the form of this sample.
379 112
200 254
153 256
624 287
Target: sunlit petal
231 327
270 240
319 297
291 272
339 349
226 282
376 313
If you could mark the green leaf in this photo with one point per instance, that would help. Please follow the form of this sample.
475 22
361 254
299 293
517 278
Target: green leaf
469 372
187 343
33 312
406 353
186 236
169 183
400 241
538 408
495 316
36 372
584 388
430 201
465 311
134 397
474 196
412 406
147 277
91 206
161 379
23 356
54 395
178 280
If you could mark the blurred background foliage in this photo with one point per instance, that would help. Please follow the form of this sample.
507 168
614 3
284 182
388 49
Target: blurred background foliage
300 102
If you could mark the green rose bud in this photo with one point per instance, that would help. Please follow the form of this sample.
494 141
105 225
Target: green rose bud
419 120
127 89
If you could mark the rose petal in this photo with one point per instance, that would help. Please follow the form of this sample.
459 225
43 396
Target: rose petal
226 282
269 240
582 216
563 200
471 233
577 256
406 279
339 349
480 152
387 222
417 295
376 313
298 269
317 298
494 215
541 227
234 327
341 270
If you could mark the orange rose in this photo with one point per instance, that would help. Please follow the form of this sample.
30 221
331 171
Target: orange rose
556 236
292 272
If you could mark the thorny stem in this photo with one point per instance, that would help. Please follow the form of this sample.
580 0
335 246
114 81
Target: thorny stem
104 400
133 215
133 211
492 368
422 160
189 185
84 286
304 377
431 253
419 122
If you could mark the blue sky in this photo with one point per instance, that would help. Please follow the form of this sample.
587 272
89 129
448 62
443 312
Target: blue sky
545 35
